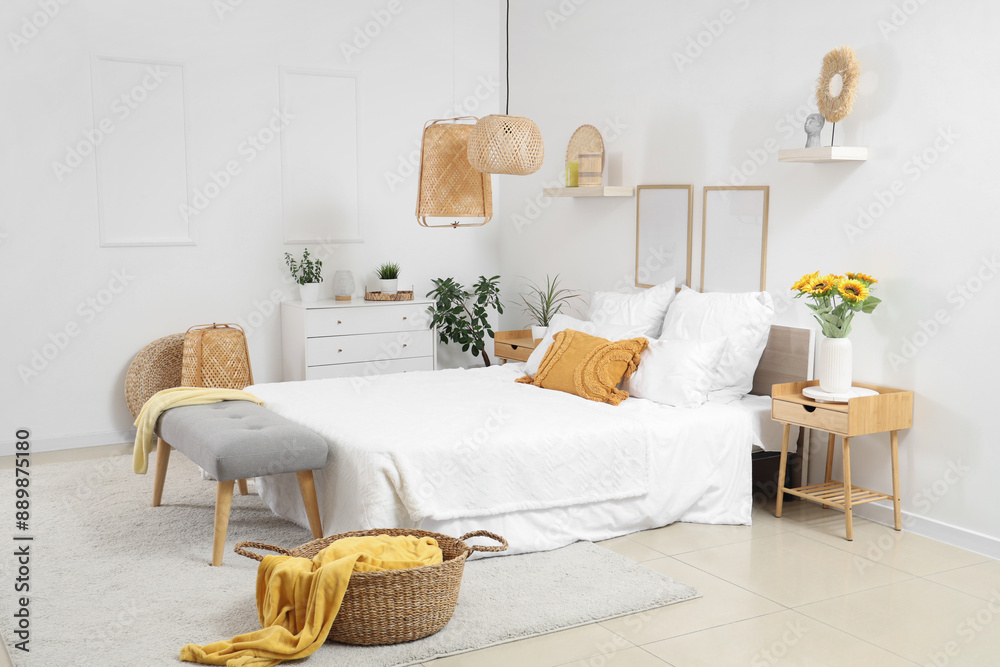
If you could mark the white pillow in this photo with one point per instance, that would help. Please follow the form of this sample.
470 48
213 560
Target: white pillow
646 308
560 322
677 372
744 319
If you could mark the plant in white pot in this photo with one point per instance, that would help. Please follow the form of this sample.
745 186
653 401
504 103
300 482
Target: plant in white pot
835 301
307 273
388 277
541 304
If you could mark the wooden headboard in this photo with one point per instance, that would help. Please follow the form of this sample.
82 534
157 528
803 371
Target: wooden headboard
788 357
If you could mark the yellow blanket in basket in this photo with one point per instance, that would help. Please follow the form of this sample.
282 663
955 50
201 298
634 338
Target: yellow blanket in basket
174 397
298 598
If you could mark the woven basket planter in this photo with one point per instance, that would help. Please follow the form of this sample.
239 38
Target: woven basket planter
216 355
156 367
506 145
395 605
449 186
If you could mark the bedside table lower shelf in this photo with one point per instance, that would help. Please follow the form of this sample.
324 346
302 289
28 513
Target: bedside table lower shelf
832 494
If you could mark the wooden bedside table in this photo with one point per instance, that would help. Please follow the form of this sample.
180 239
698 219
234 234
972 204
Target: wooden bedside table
513 345
891 410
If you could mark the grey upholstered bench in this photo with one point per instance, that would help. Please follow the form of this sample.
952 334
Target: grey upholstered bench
234 440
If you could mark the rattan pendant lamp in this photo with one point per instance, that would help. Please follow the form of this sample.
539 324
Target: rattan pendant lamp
505 144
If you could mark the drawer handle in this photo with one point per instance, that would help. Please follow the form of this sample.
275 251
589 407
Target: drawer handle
339 350
809 408
404 317
339 322
404 344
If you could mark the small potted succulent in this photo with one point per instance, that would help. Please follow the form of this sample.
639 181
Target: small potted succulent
541 304
307 273
388 277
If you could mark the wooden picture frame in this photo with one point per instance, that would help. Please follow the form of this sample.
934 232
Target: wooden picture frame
733 219
660 229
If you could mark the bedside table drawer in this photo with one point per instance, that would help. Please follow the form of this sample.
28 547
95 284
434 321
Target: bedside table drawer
512 352
803 415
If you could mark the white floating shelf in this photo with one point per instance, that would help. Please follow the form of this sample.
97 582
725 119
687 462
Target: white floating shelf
600 191
824 154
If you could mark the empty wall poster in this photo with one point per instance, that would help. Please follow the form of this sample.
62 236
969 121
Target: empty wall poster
141 157
734 238
663 217
319 157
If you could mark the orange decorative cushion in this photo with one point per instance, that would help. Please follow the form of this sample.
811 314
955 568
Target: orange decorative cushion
588 366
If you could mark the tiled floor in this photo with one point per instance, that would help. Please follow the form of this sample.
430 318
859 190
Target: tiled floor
787 591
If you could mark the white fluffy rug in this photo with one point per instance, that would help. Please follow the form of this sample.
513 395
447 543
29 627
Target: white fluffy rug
114 581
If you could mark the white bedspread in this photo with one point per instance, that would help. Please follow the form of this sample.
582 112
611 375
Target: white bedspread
461 450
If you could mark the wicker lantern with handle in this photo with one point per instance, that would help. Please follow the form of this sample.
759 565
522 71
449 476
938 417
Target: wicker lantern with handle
216 355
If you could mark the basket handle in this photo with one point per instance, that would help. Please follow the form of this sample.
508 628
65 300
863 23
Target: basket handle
241 549
485 533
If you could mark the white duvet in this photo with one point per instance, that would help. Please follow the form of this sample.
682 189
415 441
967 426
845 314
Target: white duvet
461 450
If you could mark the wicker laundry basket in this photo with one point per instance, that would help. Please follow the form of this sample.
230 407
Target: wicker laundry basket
395 605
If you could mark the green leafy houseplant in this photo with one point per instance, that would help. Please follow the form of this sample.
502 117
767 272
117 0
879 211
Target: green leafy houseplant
307 271
388 271
456 322
542 304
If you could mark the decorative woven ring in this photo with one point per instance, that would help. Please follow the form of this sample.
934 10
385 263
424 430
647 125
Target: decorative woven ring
156 367
842 61
506 145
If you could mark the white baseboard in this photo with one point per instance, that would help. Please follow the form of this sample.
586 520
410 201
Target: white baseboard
59 443
934 529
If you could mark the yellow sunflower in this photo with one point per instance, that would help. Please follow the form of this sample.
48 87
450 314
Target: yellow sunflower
803 283
823 285
853 290
863 277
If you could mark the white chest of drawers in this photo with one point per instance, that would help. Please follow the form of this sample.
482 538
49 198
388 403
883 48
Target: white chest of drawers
327 339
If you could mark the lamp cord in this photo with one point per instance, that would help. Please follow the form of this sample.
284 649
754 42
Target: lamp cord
507 54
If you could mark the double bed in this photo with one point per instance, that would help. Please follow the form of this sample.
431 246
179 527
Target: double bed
460 450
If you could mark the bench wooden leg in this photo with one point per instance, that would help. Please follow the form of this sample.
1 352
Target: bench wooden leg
308 488
243 487
162 460
223 503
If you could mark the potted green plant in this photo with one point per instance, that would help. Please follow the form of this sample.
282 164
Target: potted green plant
541 304
307 273
456 322
388 277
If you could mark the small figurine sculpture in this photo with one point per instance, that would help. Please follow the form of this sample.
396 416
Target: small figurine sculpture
814 125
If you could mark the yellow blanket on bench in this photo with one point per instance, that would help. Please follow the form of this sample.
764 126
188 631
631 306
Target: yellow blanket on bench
298 598
174 398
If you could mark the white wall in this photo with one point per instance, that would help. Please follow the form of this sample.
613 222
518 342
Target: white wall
925 92
51 264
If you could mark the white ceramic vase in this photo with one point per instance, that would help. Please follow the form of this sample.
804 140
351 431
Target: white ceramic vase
387 286
836 364
309 292
538 332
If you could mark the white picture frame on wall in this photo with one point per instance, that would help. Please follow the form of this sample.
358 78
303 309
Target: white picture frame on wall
734 238
319 156
663 234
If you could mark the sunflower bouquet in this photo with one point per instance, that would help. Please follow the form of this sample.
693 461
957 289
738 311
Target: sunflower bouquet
836 299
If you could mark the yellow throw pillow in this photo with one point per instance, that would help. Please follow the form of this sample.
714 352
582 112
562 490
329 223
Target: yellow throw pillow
588 366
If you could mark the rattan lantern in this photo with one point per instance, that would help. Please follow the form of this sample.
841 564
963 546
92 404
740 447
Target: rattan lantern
502 144
449 186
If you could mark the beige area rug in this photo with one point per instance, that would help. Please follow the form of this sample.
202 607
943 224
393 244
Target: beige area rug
114 581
